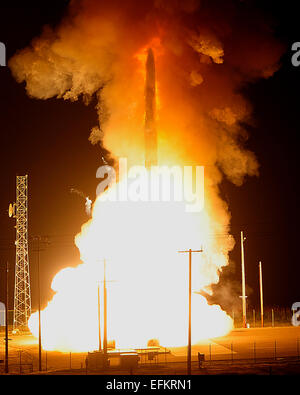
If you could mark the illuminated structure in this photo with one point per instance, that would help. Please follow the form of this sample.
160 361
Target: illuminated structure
22 299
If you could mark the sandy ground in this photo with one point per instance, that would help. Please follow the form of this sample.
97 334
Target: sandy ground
241 351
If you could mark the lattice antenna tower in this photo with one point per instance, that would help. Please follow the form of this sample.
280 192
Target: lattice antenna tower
22 299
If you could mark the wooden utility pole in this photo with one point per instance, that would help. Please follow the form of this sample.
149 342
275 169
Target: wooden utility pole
6 322
39 296
189 348
39 240
105 311
99 326
261 295
243 281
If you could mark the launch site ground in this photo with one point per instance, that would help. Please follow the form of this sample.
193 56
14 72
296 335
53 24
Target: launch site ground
243 351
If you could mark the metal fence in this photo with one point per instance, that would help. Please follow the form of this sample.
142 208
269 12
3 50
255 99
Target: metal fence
273 316
24 362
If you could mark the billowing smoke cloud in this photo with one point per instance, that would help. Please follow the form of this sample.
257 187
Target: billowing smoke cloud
205 51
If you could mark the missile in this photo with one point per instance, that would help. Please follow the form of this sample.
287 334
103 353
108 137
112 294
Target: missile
150 108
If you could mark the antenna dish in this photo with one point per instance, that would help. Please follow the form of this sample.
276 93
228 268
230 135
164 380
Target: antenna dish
11 210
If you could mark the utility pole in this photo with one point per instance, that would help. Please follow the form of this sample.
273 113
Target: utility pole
39 296
104 315
189 348
261 295
39 239
99 326
105 311
243 281
6 322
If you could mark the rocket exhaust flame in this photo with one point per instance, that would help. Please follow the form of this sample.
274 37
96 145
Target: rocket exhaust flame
148 296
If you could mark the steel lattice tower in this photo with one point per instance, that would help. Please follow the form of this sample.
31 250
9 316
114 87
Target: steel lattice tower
22 301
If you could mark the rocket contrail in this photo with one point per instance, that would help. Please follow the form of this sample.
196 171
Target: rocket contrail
77 192
88 201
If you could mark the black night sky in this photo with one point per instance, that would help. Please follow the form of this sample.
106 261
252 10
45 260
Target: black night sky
48 141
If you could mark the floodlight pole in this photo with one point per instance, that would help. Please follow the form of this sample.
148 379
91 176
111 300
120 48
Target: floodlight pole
39 296
99 326
243 281
261 295
189 348
105 311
